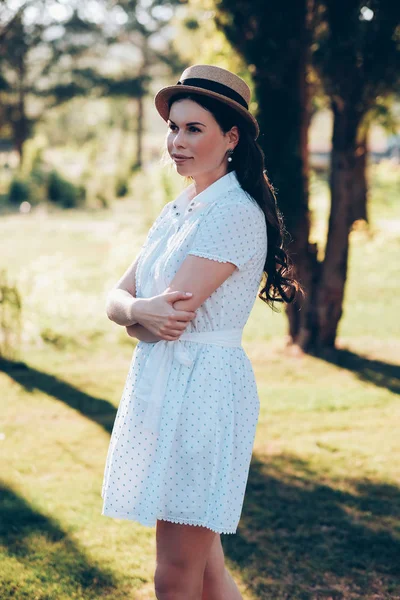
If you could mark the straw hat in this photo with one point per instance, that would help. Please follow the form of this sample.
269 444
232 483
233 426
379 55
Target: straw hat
216 82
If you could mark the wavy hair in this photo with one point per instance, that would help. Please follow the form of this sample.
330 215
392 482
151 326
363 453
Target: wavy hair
278 282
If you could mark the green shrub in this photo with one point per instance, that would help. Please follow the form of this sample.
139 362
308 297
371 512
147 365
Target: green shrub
63 192
39 186
19 191
121 186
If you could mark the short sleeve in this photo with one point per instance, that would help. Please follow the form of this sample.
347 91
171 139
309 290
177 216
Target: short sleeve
231 232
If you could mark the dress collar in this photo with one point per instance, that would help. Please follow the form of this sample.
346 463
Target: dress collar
220 186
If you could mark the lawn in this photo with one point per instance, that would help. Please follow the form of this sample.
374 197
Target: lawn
321 513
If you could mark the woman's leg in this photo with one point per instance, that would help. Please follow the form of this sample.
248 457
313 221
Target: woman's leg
181 556
218 583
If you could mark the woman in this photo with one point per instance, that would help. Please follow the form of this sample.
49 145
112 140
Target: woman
182 440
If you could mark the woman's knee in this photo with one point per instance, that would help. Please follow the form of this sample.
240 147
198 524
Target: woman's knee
177 582
215 571
182 552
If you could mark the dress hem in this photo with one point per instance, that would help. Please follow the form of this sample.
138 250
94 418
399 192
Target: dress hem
148 523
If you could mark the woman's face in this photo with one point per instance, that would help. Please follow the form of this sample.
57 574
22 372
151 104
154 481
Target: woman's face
195 134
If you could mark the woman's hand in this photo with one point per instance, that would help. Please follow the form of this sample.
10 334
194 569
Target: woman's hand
141 333
159 317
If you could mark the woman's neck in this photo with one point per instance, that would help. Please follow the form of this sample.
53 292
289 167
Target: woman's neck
204 180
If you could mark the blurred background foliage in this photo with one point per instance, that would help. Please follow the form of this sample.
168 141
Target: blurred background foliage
78 127
83 174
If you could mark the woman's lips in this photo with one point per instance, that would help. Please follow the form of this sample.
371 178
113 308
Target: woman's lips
179 160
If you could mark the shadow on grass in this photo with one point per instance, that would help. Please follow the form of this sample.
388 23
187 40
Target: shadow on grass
301 539
98 410
380 373
43 561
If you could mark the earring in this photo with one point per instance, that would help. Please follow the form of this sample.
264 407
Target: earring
230 152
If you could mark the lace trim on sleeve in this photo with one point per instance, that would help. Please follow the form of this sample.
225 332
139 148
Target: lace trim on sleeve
210 256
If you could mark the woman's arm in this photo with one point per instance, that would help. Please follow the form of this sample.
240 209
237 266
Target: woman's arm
141 333
121 307
121 299
202 277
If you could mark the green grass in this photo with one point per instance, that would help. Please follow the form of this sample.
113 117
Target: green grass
321 512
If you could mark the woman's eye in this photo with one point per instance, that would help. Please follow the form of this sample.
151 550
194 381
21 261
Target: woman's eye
192 128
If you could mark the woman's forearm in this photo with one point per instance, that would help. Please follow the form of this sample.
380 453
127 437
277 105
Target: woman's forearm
141 333
121 307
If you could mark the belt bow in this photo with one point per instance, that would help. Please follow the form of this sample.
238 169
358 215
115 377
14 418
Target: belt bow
152 384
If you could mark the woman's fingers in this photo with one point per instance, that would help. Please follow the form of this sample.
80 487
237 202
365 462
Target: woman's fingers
184 315
161 319
172 331
175 331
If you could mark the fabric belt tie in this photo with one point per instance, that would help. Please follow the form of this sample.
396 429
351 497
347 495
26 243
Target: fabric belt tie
152 384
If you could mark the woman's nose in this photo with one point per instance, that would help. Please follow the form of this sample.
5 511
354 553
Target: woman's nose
179 139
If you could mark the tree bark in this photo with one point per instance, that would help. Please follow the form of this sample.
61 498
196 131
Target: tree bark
20 129
20 124
139 132
299 313
331 287
360 199
284 118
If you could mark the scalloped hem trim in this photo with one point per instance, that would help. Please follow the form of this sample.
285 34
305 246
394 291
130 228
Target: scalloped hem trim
211 257
150 523
189 522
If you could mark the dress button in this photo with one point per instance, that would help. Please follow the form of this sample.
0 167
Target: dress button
178 214
189 209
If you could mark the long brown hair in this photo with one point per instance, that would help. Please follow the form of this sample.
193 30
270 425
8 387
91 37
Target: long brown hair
279 283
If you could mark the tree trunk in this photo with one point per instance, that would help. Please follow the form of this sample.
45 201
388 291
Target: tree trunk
343 192
20 125
299 313
284 118
360 200
139 132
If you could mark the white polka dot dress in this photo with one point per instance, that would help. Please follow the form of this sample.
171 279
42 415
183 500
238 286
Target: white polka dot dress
183 435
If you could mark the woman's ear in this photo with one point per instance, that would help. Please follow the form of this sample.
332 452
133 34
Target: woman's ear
233 135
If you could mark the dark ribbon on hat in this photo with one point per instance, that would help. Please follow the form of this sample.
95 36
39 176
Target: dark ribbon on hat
214 86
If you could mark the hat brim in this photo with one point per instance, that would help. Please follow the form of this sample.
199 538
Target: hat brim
162 97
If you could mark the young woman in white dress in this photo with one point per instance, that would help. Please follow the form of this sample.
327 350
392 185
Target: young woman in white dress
211 133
